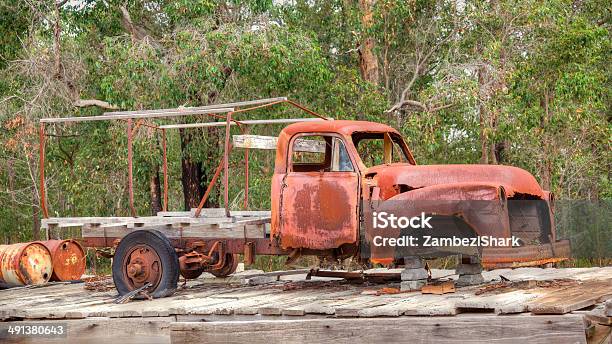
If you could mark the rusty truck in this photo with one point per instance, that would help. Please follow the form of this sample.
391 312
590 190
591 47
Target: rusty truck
327 174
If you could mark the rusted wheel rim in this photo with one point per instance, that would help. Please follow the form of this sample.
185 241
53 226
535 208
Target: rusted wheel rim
141 265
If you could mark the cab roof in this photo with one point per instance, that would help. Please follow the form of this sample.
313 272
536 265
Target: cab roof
344 127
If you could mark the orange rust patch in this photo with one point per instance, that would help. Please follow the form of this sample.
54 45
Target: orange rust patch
68 259
25 263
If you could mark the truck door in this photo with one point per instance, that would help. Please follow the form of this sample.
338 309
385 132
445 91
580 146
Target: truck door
320 194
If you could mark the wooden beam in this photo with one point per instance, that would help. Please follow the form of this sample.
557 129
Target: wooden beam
270 142
255 228
252 121
457 329
175 113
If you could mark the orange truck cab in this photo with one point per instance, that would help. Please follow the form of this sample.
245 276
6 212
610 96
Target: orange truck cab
330 174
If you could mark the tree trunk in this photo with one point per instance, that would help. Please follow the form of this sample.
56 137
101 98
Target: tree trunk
368 63
493 126
545 166
155 190
500 151
35 216
482 111
191 177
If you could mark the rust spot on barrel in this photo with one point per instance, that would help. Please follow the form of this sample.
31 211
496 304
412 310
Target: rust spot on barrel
25 263
68 259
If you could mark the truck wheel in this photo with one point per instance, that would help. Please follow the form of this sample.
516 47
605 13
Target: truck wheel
146 256
231 263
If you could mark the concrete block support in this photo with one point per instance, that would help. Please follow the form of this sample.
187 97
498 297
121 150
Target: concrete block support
469 271
414 275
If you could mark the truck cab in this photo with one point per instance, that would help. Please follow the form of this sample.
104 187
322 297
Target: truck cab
329 174
318 177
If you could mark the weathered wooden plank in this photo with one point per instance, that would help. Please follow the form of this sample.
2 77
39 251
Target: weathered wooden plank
214 212
232 302
208 216
106 330
439 289
597 315
506 303
391 309
270 142
459 329
232 230
437 305
323 304
572 298
353 307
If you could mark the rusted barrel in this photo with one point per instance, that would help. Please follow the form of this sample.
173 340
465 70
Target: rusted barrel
25 263
68 259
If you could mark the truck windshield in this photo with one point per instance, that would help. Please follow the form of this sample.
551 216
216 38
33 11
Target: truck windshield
371 148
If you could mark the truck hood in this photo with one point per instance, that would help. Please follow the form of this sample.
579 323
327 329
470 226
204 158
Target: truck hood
516 182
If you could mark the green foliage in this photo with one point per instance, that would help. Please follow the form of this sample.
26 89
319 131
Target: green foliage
546 92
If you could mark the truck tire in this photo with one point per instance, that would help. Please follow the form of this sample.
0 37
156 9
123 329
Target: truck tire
231 263
146 256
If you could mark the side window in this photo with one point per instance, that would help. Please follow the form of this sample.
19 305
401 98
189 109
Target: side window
340 158
316 153
371 149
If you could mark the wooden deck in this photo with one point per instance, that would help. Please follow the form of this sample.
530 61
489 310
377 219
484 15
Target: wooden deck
535 305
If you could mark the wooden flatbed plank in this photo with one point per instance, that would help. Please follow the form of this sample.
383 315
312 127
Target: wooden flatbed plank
220 212
459 329
192 231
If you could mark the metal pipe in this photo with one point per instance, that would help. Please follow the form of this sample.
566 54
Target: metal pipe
251 121
260 106
165 169
136 115
41 162
306 110
226 164
209 188
246 172
246 178
130 172
197 108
